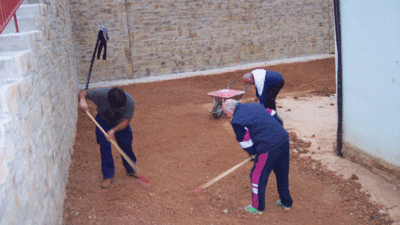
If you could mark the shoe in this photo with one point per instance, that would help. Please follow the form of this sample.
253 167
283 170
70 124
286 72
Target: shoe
134 174
252 210
279 203
106 183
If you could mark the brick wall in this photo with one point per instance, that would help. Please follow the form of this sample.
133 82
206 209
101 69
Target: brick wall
38 114
150 38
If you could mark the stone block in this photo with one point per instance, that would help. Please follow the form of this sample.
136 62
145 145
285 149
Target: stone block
133 5
4 171
129 70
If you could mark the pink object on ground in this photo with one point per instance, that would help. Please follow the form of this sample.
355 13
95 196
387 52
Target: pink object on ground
198 190
144 181
221 95
227 93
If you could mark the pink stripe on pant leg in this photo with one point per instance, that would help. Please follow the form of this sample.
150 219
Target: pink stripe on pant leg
255 176
247 136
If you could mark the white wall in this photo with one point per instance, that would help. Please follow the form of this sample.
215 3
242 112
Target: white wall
371 76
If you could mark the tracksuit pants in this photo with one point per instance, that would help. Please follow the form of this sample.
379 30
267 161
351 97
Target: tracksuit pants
276 160
124 139
270 103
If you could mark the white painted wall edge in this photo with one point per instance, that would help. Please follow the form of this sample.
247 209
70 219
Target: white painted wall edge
204 72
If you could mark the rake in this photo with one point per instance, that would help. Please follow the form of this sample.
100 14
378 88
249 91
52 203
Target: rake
143 180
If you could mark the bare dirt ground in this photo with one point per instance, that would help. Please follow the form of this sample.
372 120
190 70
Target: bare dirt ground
180 146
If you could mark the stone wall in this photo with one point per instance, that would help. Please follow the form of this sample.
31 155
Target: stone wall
87 17
151 38
38 114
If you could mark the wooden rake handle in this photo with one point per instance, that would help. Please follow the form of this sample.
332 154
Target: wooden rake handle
131 163
211 182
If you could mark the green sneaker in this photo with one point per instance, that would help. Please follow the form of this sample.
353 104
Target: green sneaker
252 210
279 203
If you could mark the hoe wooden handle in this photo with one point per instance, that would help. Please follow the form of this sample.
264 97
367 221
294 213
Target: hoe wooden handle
211 182
133 165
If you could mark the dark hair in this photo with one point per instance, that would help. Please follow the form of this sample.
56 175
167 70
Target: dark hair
117 97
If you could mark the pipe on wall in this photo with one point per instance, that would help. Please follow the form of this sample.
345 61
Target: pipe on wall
339 141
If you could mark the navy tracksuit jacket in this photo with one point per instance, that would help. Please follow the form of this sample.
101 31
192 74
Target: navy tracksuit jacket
260 134
272 78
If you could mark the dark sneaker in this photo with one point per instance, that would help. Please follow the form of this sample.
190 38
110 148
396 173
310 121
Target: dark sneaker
279 203
106 183
252 210
134 174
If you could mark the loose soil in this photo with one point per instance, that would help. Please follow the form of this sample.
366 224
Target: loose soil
180 146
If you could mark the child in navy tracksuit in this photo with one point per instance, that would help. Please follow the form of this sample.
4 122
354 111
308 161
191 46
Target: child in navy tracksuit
263 136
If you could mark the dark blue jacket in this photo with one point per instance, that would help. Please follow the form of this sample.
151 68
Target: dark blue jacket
271 79
265 131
